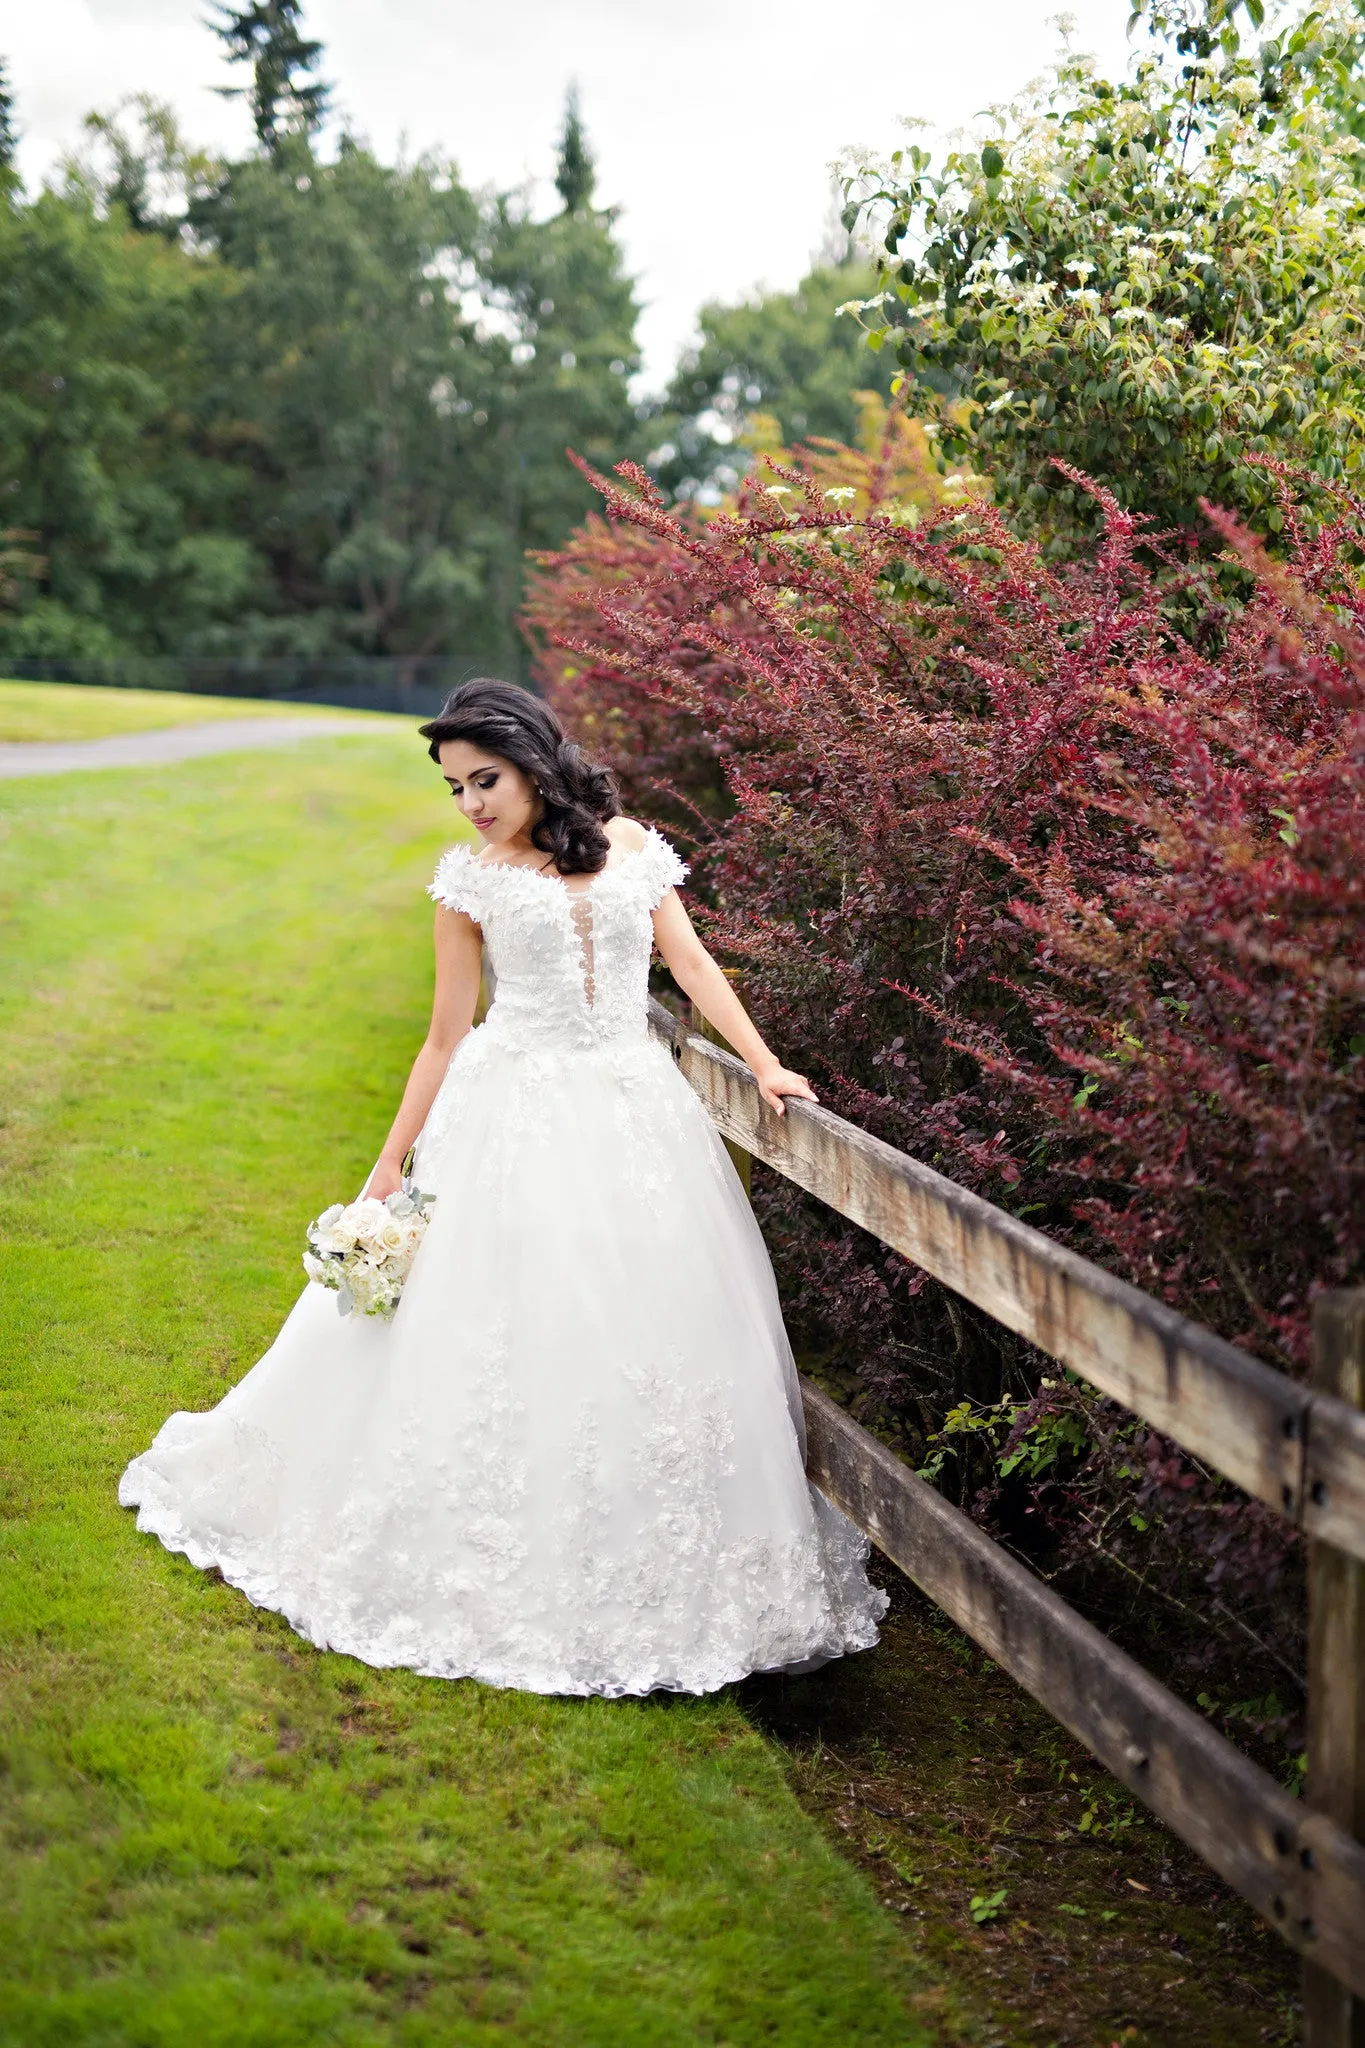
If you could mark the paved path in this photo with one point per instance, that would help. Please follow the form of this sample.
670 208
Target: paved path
170 743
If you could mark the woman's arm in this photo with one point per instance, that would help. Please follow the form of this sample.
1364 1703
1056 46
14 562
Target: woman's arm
458 960
698 976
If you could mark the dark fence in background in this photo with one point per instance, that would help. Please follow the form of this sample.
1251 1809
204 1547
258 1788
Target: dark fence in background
416 685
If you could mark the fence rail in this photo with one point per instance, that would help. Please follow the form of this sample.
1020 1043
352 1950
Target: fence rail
1304 1874
1299 1449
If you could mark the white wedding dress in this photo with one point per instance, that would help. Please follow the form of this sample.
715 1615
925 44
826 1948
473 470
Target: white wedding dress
572 1462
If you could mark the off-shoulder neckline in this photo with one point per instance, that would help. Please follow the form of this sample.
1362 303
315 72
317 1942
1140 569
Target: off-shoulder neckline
511 867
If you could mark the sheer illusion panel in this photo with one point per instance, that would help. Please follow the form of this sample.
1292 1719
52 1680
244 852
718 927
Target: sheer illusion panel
581 913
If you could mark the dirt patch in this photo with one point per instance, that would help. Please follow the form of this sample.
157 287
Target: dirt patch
960 1796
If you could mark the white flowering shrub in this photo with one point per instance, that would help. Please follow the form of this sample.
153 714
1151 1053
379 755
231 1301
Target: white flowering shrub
1147 280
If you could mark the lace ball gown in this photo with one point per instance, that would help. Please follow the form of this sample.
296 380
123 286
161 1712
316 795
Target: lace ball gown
572 1463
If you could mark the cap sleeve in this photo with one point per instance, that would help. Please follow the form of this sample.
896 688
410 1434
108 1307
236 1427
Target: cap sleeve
662 866
455 885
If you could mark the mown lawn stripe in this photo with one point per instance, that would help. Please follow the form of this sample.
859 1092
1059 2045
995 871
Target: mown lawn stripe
214 1835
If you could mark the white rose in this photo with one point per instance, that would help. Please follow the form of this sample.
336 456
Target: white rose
391 1235
361 1283
364 1218
398 1244
329 1234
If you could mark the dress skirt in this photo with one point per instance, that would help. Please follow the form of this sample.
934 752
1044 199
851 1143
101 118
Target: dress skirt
572 1461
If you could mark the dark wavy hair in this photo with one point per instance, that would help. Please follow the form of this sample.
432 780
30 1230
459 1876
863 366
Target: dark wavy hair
579 796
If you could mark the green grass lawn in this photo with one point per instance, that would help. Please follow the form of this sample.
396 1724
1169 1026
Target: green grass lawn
213 1835
65 711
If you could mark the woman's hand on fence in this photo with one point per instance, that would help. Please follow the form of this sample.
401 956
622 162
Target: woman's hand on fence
776 1081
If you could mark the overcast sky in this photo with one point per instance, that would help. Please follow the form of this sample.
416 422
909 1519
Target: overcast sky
714 122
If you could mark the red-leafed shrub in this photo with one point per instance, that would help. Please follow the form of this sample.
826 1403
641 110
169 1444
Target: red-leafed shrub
1053 877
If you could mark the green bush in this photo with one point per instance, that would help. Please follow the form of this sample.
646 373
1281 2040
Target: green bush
1149 280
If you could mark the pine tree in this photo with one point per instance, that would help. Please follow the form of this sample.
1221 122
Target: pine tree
577 174
284 100
9 134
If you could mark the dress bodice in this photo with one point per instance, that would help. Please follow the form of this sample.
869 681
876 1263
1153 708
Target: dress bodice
571 961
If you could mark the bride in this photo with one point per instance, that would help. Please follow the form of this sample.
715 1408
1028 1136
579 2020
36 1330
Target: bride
572 1462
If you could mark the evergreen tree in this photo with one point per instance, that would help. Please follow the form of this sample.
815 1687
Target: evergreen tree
563 383
284 99
577 174
9 133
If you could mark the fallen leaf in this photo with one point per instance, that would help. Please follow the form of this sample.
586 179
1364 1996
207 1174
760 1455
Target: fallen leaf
1136 1886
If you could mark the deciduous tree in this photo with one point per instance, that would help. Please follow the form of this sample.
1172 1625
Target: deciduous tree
104 448
136 159
774 370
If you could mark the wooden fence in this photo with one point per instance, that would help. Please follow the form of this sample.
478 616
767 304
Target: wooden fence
1301 1450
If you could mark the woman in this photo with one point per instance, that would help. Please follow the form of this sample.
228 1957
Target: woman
572 1463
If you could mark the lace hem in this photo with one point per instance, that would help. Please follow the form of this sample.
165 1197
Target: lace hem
823 1572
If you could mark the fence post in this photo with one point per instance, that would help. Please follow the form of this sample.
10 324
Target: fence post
1333 2016
743 1161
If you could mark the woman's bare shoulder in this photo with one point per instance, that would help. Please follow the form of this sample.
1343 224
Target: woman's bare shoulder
625 833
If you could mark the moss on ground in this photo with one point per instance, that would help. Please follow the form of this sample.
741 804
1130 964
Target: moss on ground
65 711
212 1834
927 1764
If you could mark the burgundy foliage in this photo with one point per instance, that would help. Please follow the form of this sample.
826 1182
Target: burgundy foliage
1051 876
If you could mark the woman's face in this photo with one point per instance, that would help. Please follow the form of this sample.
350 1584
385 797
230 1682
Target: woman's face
501 802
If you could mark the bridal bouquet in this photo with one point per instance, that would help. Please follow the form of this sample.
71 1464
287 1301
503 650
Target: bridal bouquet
364 1250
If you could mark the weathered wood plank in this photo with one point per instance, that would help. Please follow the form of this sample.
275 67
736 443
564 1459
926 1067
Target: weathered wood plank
1302 1453
1243 1418
1334 1473
741 1160
1333 2016
1296 1867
